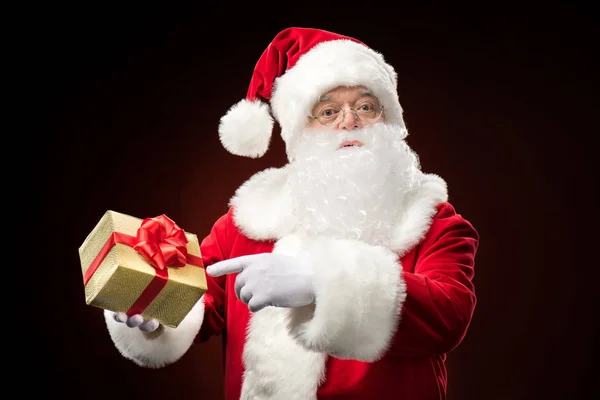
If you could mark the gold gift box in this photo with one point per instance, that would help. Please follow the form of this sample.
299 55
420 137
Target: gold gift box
123 274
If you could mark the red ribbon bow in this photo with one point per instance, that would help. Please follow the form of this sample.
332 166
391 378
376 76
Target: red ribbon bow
161 242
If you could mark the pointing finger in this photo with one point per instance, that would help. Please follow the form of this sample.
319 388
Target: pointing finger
229 266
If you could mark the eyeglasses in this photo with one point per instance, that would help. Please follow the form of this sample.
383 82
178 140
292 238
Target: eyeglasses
332 114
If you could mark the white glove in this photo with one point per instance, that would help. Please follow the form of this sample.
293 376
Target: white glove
269 279
136 321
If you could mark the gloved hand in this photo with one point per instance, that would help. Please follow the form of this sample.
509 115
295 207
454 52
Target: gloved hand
136 321
269 279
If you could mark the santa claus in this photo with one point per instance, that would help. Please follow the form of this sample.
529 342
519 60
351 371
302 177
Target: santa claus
345 274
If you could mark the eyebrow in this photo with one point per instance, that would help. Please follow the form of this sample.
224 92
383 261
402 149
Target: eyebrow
362 92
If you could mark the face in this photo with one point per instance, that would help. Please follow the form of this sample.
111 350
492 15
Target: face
346 108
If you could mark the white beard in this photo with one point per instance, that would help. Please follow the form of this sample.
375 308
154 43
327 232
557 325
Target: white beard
352 193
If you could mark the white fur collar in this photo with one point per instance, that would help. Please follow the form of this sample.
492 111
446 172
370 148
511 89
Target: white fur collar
263 208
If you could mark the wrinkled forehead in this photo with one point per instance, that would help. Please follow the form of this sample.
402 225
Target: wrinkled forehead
343 95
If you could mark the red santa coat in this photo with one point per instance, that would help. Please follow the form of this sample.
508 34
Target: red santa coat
385 316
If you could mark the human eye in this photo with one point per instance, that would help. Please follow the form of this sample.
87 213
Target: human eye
367 107
329 111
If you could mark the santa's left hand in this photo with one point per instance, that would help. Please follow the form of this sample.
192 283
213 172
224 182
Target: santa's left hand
269 279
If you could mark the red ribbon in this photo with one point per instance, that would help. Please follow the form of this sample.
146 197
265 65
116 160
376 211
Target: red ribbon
162 244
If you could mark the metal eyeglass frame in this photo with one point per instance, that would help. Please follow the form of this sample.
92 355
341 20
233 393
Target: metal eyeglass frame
316 117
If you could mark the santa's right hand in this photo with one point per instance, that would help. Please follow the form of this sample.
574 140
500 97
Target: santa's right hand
136 321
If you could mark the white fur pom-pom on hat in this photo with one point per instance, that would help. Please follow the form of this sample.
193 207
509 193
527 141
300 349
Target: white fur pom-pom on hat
245 130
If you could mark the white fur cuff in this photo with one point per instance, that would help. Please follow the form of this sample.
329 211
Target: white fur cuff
161 347
359 295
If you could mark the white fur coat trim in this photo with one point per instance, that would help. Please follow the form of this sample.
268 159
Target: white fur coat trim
161 347
286 349
264 210
275 365
359 294
359 290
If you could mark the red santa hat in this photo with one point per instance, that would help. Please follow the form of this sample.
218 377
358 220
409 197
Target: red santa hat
299 66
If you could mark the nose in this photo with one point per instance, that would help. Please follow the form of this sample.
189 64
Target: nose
349 121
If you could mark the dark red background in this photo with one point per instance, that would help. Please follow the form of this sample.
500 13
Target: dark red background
498 101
